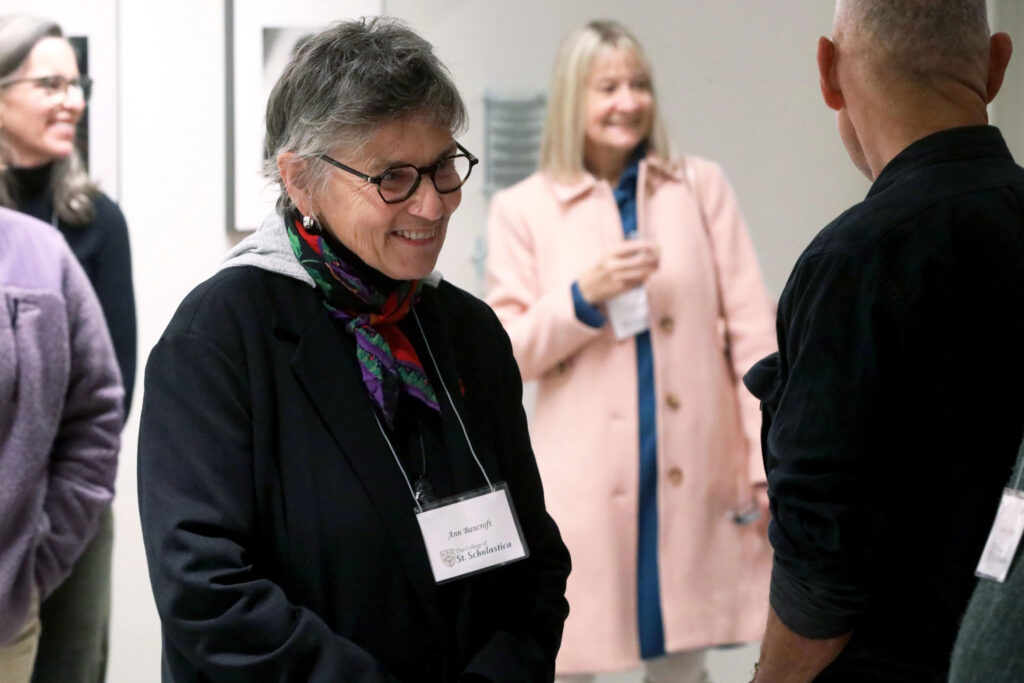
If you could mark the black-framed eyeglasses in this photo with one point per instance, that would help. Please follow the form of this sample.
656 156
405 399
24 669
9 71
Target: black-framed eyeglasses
398 183
56 87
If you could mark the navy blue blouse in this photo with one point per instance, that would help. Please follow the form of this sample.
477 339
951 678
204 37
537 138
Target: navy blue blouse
651 630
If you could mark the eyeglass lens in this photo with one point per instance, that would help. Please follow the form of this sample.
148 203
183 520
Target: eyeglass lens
57 86
448 175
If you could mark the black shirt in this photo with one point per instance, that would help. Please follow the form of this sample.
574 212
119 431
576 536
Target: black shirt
102 247
893 409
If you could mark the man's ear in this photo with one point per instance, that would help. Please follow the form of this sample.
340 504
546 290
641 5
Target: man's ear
1000 49
830 90
290 166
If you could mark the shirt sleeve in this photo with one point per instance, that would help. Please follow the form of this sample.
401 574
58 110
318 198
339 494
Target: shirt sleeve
541 322
833 433
586 312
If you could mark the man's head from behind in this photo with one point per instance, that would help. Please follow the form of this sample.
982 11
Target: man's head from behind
896 70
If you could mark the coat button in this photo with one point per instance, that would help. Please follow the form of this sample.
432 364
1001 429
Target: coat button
675 475
667 323
672 401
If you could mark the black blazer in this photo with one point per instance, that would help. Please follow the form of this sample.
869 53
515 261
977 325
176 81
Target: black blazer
280 534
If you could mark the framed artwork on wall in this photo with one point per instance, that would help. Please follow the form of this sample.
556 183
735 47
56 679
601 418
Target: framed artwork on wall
261 36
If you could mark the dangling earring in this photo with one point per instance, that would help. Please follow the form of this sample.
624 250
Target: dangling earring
311 225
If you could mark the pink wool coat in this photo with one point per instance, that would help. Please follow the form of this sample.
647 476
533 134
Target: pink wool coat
713 572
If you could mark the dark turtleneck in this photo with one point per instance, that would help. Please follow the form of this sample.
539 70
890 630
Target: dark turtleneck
101 246
31 190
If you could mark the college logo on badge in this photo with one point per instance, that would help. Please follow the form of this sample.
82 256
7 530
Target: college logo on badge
448 557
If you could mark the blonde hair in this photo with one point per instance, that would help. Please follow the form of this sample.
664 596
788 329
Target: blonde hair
562 143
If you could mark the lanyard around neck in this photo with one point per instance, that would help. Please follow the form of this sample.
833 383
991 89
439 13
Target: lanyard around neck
455 410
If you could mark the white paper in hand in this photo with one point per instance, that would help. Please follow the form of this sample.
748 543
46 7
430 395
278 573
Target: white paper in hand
628 313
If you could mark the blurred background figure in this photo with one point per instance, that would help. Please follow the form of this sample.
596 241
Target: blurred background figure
42 98
630 289
60 419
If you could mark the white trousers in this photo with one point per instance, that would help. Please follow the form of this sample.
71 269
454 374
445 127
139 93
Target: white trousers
19 656
678 667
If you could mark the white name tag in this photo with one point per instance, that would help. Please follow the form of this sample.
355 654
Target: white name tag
1004 538
628 313
471 533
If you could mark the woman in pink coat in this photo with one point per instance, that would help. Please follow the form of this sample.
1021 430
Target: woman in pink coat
631 292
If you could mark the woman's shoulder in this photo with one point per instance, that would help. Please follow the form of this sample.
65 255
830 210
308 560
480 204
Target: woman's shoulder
109 214
238 299
537 184
19 229
32 253
698 169
457 302
464 310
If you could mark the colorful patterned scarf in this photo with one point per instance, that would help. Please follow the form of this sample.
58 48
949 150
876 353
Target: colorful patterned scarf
358 296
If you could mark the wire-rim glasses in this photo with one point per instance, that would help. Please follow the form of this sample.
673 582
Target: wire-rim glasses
398 183
56 87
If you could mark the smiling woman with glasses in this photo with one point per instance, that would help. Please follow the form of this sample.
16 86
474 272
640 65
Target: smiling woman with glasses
42 99
333 453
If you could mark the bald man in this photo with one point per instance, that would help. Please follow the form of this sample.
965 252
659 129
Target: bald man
895 405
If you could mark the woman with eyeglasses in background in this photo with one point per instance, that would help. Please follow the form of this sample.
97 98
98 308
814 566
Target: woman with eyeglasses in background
332 441
42 98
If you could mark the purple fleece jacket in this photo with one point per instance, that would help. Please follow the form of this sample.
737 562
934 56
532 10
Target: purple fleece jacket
60 414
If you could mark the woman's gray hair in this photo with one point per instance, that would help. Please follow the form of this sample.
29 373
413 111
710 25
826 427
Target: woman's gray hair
72 187
345 82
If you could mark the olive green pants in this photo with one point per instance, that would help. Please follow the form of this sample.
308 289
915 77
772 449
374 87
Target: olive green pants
76 618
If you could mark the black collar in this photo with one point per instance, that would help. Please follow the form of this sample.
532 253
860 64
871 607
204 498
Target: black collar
955 144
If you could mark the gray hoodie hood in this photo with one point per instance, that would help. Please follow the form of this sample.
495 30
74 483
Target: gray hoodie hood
269 249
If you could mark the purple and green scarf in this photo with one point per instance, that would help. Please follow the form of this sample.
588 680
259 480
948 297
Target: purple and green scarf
370 305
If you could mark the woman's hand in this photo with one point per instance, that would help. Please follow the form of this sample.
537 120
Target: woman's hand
620 270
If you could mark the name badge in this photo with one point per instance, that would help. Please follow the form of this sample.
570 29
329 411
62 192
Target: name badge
471 533
628 313
1004 538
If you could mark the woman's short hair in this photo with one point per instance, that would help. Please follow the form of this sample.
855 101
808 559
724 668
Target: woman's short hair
562 143
345 82
72 187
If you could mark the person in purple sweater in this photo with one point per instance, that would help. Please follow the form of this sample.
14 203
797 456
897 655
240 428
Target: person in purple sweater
60 421
43 100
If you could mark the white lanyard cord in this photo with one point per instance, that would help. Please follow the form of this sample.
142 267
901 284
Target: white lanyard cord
1020 466
450 401
397 461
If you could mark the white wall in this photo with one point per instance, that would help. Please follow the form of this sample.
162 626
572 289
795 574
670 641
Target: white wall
737 81
172 171
1007 109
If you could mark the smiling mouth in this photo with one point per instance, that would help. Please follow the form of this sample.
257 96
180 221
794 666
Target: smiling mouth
416 235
